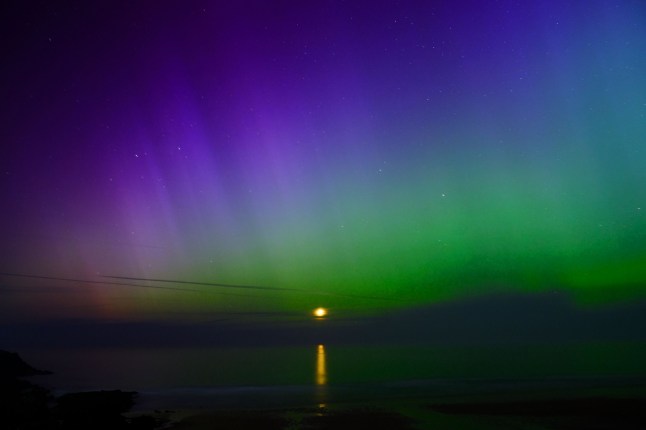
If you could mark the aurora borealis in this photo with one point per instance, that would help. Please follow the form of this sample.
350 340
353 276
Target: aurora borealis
357 155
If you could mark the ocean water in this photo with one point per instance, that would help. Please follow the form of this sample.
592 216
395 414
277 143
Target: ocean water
316 374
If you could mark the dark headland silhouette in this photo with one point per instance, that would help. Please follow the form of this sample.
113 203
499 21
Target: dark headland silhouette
12 366
25 405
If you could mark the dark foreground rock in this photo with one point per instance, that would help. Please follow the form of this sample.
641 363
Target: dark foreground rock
298 419
358 418
97 409
598 413
235 420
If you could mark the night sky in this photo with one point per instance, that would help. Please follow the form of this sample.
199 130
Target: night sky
359 155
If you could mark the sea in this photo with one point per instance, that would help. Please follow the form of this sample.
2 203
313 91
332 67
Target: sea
271 377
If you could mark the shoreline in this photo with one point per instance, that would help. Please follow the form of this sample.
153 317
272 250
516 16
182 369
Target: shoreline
421 413
286 396
513 407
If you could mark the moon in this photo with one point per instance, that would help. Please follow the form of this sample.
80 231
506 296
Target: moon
320 312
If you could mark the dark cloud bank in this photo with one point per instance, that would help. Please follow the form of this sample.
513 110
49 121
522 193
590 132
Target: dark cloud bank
518 319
